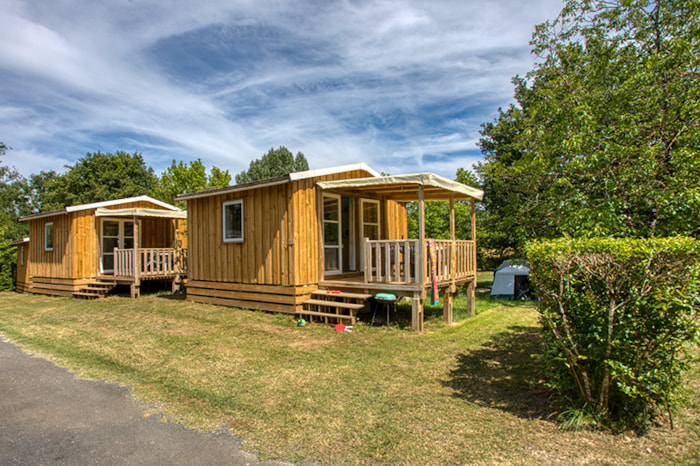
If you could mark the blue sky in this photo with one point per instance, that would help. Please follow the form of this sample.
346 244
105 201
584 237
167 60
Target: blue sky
401 85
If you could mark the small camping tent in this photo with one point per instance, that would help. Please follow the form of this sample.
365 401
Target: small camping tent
510 281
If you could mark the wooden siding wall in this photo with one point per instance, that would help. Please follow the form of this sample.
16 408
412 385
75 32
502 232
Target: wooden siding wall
85 237
56 263
275 268
157 233
264 255
21 271
307 244
395 220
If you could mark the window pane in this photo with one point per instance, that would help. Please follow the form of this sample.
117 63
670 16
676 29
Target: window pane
110 228
129 229
108 262
330 208
49 236
330 258
330 234
233 218
128 243
371 231
370 212
109 244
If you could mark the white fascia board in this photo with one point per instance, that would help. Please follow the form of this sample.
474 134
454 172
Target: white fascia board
332 171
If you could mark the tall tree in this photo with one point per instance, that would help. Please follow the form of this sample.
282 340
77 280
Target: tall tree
97 177
276 162
604 138
14 202
186 178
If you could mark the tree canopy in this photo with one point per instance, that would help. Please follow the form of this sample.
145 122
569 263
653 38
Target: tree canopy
604 137
96 177
276 162
186 178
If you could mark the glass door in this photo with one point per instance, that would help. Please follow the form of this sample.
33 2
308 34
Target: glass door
115 234
332 227
370 223
110 240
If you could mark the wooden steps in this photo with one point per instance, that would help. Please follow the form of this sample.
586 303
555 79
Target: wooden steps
333 306
95 290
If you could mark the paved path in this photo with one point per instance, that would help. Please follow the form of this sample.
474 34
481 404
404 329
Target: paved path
47 416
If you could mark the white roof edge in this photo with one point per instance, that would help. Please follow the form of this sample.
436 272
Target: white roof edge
21 240
96 205
294 176
140 212
428 179
332 171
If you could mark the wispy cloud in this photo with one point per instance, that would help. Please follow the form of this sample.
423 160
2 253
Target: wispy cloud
401 85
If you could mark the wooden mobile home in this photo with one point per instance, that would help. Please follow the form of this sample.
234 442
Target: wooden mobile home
321 242
86 250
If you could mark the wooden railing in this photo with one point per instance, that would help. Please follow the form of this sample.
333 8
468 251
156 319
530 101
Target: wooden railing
153 262
464 259
391 261
397 261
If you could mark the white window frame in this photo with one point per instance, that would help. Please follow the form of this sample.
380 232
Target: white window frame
339 246
362 217
46 236
362 224
223 221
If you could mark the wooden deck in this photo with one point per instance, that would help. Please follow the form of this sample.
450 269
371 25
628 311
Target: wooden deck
134 265
404 269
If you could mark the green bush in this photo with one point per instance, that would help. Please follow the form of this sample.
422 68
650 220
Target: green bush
618 317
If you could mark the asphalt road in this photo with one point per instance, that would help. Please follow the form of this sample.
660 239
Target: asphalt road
48 416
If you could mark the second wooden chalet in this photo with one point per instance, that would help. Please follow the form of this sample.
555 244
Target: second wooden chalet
88 249
320 242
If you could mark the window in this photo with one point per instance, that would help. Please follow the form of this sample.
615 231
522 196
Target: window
370 219
233 221
21 255
48 237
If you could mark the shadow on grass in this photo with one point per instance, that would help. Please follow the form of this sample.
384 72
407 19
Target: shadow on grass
504 374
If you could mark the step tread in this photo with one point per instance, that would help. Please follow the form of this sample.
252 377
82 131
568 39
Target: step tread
86 293
326 303
342 294
325 314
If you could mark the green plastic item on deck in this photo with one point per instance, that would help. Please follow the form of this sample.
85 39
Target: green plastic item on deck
385 297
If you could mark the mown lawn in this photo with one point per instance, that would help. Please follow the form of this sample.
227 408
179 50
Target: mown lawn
470 393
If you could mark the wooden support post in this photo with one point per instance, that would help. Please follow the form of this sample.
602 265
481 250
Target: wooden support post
420 254
447 306
136 284
367 259
453 246
417 312
471 289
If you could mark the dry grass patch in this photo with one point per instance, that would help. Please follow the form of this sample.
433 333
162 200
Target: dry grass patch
470 393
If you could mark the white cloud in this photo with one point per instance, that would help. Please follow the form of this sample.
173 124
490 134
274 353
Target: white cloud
385 82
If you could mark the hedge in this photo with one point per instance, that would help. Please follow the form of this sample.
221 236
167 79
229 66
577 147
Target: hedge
618 318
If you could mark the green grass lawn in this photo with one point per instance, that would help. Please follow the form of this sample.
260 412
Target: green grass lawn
467 393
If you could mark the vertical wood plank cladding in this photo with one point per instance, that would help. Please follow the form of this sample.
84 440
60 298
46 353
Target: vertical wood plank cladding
396 220
281 242
84 245
56 263
76 248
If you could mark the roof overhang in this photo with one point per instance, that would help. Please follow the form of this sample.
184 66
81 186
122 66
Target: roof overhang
278 180
98 205
404 188
140 213
17 242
